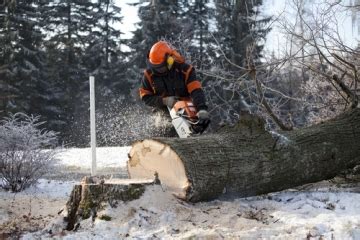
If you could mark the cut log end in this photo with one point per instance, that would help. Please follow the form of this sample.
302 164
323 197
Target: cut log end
150 157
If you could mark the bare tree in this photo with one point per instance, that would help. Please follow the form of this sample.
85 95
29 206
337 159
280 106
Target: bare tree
328 58
315 79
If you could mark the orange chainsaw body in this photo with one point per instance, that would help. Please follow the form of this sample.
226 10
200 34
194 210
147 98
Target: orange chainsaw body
185 119
186 108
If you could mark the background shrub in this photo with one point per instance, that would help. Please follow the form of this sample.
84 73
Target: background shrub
26 151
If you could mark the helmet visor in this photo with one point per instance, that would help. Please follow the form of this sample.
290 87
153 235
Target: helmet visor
159 68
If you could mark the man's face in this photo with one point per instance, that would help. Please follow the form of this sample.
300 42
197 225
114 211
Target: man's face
161 69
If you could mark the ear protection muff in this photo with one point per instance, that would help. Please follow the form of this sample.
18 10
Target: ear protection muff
170 62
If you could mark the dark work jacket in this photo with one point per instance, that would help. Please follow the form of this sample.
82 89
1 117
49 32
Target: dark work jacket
180 81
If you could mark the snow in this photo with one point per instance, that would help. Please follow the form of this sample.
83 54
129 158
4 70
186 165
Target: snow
105 157
34 208
283 215
321 211
3 216
282 140
50 189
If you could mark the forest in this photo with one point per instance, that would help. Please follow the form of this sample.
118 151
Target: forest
50 48
280 158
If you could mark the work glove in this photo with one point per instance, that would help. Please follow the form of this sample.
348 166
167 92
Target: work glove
169 101
203 116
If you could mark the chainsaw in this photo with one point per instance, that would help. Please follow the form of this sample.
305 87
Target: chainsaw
185 120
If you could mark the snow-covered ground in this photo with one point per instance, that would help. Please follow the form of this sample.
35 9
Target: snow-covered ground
106 157
323 210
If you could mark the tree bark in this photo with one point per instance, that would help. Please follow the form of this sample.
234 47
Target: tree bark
247 160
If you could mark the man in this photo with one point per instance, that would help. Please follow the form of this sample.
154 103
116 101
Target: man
168 78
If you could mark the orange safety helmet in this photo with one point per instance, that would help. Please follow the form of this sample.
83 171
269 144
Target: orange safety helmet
158 52
162 57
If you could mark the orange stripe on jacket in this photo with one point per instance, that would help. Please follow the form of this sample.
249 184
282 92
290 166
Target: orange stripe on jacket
193 86
148 77
150 80
187 73
144 92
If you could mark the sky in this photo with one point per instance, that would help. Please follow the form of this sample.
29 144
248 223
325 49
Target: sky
275 41
348 32
130 17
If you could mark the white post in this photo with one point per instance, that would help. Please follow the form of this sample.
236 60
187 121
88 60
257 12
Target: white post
92 125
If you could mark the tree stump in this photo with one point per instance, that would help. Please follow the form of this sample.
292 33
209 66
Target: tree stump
88 197
247 160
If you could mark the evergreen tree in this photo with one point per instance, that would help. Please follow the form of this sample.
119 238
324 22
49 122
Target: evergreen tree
6 56
200 14
70 25
21 60
159 19
238 26
103 55
25 87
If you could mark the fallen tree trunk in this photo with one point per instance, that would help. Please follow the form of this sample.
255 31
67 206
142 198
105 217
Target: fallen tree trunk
246 160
